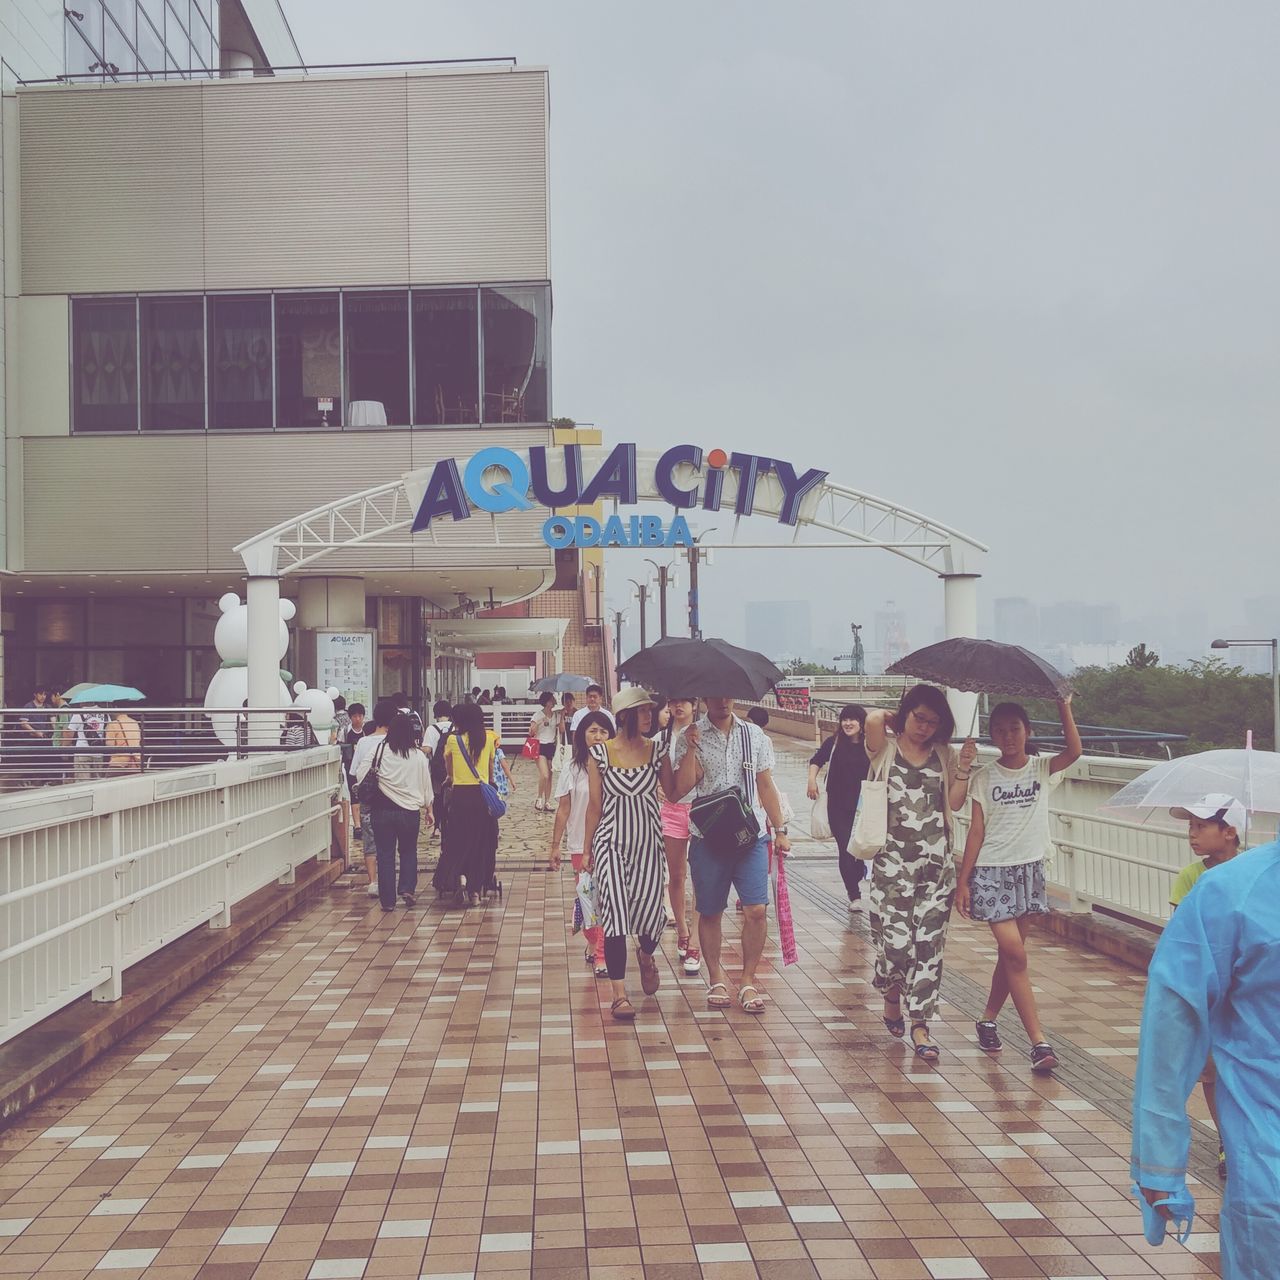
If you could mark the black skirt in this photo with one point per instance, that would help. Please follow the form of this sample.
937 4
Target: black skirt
469 843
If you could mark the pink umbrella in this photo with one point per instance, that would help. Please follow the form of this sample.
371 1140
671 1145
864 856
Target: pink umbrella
786 925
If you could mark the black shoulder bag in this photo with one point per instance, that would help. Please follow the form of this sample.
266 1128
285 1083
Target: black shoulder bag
725 819
368 792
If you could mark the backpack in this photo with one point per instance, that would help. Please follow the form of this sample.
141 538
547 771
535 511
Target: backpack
436 766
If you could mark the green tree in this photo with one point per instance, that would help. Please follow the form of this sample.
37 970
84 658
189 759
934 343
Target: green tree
797 668
1209 701
1141 657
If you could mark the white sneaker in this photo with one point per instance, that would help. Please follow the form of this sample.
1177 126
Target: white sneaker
858 904
372 891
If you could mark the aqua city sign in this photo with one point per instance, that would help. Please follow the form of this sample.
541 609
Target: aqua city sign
498 480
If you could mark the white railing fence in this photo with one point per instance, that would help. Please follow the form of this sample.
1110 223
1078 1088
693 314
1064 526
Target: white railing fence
95 877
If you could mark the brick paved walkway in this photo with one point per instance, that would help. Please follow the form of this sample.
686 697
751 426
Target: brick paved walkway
442 1094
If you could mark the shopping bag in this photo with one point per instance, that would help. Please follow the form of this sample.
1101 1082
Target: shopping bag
871 821
819 826
586 914
782 904
530 749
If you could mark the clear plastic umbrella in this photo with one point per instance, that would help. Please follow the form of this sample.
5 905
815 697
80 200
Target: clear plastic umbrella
1252 777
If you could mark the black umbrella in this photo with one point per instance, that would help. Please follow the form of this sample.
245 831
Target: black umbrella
984 666
701 669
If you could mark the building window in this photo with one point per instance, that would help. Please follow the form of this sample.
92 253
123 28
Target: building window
446 365
84 39
150 36
117 40
150 46
376 333
515 353
308 364
105 365
306 361
173 364
240 362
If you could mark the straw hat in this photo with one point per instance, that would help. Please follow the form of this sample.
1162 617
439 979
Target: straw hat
632 696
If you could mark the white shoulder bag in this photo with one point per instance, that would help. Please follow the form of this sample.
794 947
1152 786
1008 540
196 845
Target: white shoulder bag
819 827
871 822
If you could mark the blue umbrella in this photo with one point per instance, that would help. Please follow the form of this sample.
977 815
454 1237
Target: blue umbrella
98 694
562 682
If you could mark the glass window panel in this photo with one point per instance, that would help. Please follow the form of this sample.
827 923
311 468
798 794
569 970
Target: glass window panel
516 333
135 620
123 12
105 358
445 357
150 46
105 666
84 38
118 50
173 364
175 30
202 620
60 622
240 362
202 40
376 333
308 363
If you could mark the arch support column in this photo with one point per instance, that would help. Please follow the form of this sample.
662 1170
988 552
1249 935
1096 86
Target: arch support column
960 618
262 597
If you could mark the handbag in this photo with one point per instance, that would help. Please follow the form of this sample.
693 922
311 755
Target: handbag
724 819
871 821
531 749
819 826
368 792
496 805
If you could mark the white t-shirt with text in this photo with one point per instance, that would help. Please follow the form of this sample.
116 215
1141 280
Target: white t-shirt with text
1015 811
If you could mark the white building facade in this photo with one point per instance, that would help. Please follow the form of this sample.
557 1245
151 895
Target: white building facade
233 295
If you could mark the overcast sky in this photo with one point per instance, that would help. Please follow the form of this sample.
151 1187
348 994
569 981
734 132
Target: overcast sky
1011 264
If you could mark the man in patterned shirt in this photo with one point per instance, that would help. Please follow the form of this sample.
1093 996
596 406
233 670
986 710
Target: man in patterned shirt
733 753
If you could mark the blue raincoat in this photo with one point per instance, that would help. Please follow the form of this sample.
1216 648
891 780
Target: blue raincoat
1214 985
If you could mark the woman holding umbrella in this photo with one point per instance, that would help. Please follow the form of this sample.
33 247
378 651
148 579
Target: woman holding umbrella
913 881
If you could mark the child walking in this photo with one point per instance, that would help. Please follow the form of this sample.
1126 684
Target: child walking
573 793
1002 876
1215 829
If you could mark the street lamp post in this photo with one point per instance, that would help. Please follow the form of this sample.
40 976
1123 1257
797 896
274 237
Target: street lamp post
1274 646
695 554
618 616
665 579
642 594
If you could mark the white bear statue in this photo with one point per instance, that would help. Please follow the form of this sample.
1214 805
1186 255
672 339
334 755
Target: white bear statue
229 687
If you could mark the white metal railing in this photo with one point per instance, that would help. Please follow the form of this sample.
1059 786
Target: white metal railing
95 877
863 684
1109 860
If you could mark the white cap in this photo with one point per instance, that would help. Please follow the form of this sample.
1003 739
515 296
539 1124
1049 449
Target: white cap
1217 804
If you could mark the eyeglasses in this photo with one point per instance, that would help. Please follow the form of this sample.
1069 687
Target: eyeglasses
925 722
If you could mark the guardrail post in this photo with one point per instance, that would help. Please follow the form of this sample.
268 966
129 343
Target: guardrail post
223 919
112 988
1071 878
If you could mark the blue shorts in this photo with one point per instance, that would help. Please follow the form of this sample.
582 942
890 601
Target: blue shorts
713 874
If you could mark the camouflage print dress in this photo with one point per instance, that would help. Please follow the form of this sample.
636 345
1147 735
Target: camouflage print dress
913 883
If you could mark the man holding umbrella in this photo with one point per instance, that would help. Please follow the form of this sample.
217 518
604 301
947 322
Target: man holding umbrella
733 754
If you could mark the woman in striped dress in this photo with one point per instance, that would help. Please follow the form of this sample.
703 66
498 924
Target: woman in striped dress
624 836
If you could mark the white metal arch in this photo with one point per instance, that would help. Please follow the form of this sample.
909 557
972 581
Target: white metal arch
384 514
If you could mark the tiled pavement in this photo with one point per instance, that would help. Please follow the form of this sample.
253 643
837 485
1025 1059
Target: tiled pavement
439 1093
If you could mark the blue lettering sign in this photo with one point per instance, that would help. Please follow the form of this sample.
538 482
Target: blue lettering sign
508 495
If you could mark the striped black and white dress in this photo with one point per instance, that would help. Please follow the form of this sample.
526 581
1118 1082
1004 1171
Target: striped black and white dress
628 849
